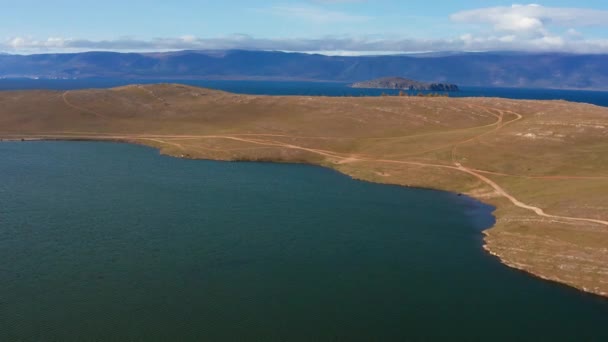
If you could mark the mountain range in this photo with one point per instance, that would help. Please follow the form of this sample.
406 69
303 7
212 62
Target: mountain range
495 69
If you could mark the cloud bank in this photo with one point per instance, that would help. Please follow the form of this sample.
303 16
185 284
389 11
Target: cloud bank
326 45
532 28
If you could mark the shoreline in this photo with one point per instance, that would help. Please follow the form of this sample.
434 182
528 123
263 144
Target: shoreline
542 164
486 232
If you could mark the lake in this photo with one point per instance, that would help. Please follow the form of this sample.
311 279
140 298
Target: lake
107 241
599 98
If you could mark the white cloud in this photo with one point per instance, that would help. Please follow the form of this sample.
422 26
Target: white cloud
574 34
532 19
16 43
188 38
25 43
534 28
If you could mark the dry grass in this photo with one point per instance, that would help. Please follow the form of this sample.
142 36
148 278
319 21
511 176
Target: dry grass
547 155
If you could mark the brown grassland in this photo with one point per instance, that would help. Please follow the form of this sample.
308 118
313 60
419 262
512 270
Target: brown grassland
543 164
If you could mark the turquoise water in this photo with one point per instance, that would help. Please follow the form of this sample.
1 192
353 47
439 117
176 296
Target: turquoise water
599 98
113 242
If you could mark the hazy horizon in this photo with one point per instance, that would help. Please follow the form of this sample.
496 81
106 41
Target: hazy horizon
323 53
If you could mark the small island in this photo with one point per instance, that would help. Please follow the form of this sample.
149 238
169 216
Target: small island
401 83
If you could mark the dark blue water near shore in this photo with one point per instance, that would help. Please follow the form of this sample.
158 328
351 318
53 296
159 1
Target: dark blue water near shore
599 98
113 242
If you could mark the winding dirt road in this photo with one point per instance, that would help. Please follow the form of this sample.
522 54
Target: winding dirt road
520 204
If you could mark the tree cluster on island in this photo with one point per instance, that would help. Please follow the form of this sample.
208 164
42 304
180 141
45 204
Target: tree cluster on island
402 93
405 84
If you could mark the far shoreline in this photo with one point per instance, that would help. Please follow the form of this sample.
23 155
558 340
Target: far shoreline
227 85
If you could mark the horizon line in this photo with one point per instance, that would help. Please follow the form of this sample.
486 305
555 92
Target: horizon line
322 53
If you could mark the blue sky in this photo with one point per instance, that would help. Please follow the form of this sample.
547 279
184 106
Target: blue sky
328 26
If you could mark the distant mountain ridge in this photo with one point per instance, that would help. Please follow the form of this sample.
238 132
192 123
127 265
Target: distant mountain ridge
404 84
497 69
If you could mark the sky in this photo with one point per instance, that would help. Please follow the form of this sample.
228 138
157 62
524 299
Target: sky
334 27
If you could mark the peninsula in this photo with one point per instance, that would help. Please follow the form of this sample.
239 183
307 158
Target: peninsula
542 164
405 84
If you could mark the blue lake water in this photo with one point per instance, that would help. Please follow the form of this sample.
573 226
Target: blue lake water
309 88
114 242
